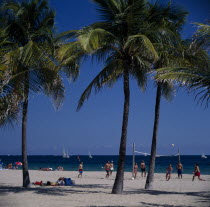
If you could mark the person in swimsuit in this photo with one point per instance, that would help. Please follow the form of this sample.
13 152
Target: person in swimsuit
80 169
143 168
107 169
169 170
135 170
179 168
197 172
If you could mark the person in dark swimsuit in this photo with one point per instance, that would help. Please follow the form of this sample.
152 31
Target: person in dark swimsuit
143 168
179 168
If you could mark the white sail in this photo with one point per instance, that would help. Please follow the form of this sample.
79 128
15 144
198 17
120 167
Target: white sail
65 154
203 155
90 156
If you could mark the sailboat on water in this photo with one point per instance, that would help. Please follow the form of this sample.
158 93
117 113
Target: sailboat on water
65 153
203 155
90 156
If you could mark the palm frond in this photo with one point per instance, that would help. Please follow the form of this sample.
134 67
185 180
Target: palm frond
108 74
135 41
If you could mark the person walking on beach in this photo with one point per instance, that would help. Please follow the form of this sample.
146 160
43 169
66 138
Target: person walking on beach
169 170
135 170
197 172
179 168
111 167
80 169
143 168
107 169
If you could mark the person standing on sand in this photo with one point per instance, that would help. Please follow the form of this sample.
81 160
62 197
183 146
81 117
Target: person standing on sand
80 169
197 172
179 168
143 168
107 169
135 170
111 167
169 170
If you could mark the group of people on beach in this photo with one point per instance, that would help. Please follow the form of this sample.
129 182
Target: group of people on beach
169 169
109 167
179 168
60 182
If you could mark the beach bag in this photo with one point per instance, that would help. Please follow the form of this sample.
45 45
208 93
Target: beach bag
68 181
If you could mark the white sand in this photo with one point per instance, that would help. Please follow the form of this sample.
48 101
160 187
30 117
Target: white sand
94 190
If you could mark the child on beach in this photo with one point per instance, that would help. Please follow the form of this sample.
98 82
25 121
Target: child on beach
80 169
197 172
168 172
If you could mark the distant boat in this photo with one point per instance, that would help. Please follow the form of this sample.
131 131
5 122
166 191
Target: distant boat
65 153
90 156
203 156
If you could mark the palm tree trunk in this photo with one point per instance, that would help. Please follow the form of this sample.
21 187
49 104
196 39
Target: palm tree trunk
118 184
26 178
150 175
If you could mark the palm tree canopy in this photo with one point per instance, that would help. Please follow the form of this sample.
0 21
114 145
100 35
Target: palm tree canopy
30 28
193 70
129 35
120 40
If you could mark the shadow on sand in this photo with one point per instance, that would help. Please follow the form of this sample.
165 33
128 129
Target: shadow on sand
54 190
202 197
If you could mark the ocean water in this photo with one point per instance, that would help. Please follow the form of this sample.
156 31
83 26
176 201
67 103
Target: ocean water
98 161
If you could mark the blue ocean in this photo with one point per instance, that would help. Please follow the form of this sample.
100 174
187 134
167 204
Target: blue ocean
98 161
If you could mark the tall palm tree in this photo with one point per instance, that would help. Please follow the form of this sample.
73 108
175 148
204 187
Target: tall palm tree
119 40
30 26
169 19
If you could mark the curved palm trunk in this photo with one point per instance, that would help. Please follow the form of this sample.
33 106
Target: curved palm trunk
26 179
118 184
150 176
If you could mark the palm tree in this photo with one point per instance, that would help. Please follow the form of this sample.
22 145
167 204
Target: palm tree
30 26
170 20
120 41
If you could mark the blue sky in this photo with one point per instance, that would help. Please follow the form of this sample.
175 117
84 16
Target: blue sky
97 126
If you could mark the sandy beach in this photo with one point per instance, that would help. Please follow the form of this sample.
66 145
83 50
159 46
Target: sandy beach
95 190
